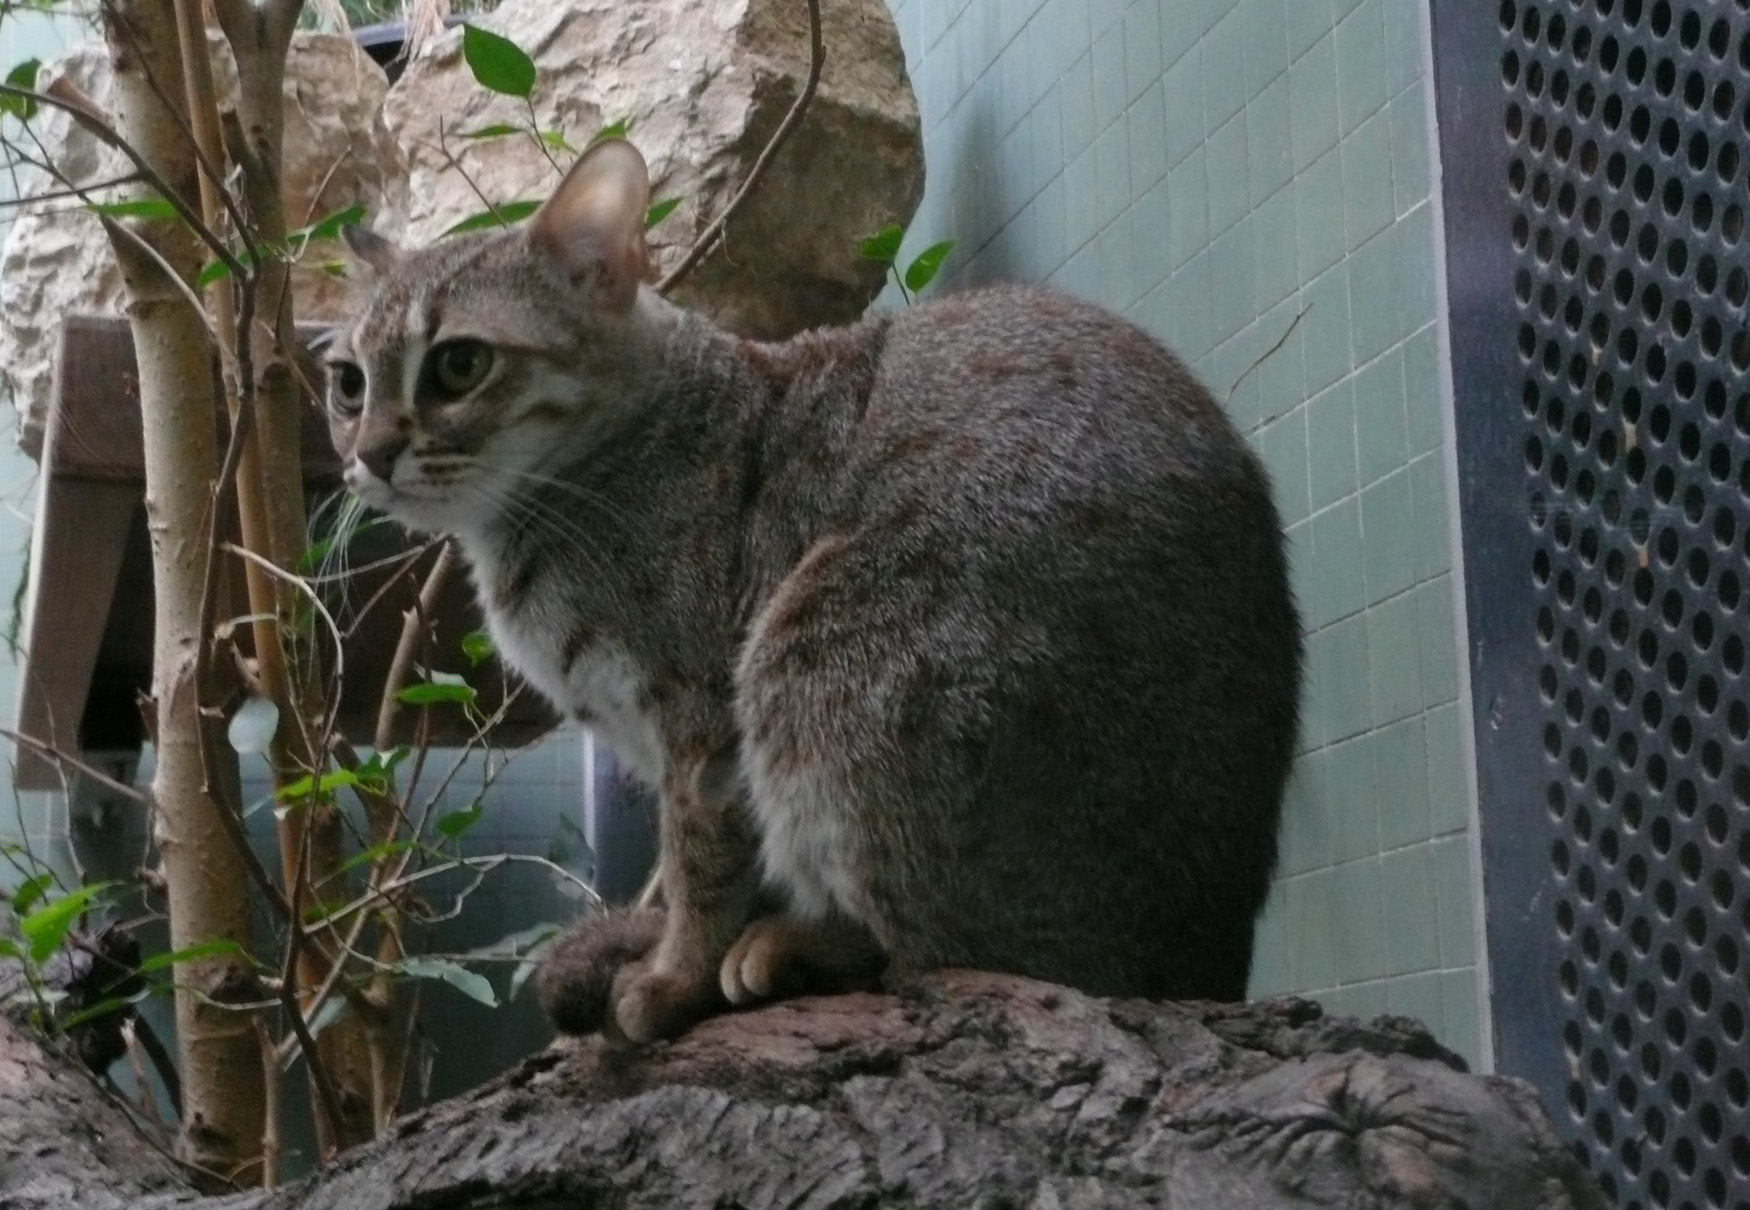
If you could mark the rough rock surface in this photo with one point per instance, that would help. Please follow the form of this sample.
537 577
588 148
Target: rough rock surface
703 83
961 1090
57 261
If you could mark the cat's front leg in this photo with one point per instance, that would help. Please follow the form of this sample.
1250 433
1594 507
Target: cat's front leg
709 855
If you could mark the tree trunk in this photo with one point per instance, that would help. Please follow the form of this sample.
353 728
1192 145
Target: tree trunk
965 1090
270 499
208 890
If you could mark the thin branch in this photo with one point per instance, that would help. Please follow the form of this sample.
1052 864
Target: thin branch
82 193
53 753
413 624
288 997
270 1129
120 234
148 1040
708 241
450 161
315 598
101 130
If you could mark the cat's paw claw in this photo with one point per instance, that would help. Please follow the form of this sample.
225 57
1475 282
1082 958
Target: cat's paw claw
752 969
577 978
777 957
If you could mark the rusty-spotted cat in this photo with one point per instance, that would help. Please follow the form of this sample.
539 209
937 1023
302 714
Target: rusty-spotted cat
959 636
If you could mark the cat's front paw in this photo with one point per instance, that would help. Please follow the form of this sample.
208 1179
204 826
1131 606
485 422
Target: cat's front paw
780 956
576 981
652 1004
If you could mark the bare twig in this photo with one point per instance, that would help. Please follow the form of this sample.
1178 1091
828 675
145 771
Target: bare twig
413 624
315 599
147 1039
288 995
117 231
270 1127
81 193
713 234
101 130
450 161
72 762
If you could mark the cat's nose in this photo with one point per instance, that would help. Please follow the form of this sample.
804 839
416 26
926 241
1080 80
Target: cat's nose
379 458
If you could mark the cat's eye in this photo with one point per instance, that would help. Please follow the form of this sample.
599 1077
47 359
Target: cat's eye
458 366
346 387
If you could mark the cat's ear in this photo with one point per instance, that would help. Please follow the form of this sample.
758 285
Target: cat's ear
372 252
593 226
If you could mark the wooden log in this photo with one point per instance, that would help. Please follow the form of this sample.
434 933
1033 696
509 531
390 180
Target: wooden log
962 1090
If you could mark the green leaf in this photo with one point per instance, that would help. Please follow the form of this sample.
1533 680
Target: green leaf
922 271
141 207
883 246
477 645
380 767
438 687
213 271
473 986
328 228
29 891
497 63
556 140
318 787
101 1009
378 773
47 926
660 211
503 216
299 787
219 947
455 823
331 782
613 130
495 131
370 856
22 76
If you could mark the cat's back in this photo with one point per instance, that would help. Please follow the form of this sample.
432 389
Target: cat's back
1028 399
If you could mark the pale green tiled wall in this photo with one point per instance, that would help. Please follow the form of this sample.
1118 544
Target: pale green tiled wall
1215 168
40 819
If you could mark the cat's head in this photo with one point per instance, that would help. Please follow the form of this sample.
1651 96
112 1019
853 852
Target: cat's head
469 368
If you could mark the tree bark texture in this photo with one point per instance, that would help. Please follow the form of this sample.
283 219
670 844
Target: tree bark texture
208 890
959 1090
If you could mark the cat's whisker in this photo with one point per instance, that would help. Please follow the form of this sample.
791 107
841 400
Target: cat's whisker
597 501
633 525
552 532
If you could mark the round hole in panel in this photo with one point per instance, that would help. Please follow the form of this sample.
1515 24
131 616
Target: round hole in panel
1627 125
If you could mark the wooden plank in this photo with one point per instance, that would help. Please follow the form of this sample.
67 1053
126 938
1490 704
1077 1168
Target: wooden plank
96 406
76 553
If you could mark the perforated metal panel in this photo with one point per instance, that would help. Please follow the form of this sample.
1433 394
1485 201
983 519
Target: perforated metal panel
1610 563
